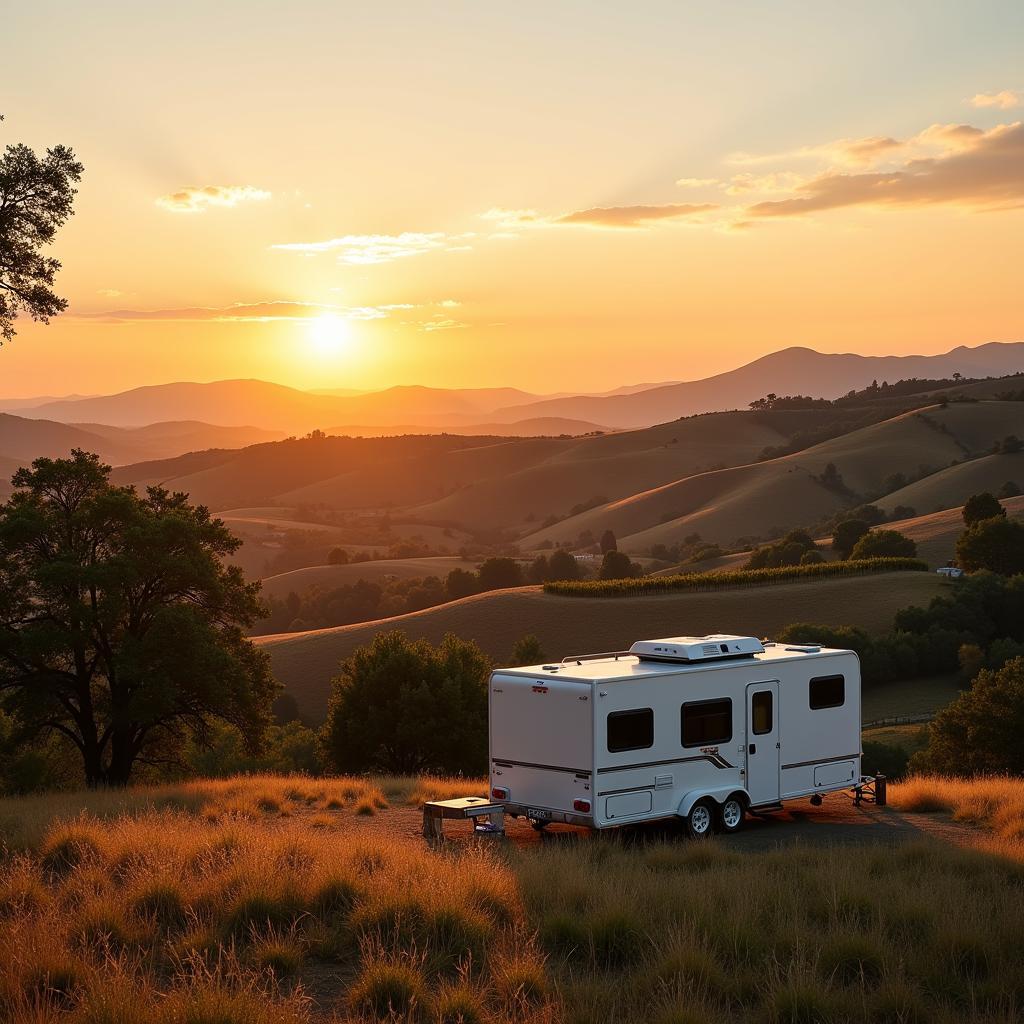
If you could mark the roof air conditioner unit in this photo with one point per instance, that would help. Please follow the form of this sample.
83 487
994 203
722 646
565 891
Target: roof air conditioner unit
697 648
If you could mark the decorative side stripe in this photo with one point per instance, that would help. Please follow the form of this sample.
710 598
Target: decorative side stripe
822 760
501 763
716 759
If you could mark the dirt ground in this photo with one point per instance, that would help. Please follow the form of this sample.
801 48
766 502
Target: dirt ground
837 821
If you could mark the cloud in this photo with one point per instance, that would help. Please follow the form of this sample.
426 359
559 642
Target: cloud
367 249
776 181
242 312
862 152
110 293
984 171
696 182
197 200
599 216
1003 100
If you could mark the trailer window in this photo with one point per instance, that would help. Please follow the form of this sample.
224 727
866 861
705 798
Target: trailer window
706 722
761 712
827 692
630 730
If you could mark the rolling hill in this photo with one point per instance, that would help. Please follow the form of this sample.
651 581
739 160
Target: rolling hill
793 371
306 662
955 484
758 499
327 577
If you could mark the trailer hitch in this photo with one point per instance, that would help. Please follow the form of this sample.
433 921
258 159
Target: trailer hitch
870 790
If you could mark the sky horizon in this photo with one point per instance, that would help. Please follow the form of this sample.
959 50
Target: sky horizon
554 198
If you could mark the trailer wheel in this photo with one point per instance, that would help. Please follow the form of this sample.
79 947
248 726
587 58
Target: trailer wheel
700 821
730 815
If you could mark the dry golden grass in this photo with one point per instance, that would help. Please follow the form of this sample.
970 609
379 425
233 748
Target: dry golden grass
180 916
996 804
306 662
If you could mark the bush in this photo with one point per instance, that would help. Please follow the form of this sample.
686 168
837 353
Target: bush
617 565
979 733
527 651
884 544
788 551
499 574
562 566
406 707
812 557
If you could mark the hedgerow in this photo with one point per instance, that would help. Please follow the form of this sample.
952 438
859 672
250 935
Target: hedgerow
697 581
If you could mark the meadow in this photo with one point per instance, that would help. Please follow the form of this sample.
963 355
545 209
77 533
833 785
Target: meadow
294 900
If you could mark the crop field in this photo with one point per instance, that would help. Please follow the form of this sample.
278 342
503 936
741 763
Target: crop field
313 900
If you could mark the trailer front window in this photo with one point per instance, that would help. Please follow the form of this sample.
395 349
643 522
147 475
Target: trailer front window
630 730
706 722
827 692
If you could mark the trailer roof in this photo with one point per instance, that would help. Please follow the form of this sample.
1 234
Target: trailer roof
628 666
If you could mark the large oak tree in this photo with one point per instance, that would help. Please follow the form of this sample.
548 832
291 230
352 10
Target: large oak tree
121 627
36 196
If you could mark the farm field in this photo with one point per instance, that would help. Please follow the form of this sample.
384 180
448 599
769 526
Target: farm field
329 576
306 662
909 697
157 905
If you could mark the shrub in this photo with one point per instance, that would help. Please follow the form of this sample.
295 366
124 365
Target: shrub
405 706
617 565
389 989
996 544
981 506
846 535
884 544
979 733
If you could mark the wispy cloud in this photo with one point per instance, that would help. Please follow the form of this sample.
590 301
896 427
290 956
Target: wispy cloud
1005 99
775 181
194 199
861 152
975 170
367 249
599 216
696 182
243 312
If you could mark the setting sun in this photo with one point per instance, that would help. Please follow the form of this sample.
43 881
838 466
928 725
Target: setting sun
330 335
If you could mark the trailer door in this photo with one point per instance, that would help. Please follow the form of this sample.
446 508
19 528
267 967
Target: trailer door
763 742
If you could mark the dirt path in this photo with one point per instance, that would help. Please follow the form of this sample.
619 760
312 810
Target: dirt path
836 822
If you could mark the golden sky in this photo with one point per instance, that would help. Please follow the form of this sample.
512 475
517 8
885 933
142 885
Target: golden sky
555 196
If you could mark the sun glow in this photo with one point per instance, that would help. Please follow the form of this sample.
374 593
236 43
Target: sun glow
330 336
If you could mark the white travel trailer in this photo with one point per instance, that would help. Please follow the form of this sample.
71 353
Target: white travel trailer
700 728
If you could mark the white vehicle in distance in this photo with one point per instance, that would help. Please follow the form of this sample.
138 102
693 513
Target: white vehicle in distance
700 728
950 572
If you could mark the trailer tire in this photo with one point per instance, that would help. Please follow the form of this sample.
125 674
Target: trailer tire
730 815
701 820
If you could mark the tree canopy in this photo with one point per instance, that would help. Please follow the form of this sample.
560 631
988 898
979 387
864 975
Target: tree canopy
405 706
996 544
884 544
981 506
121 629
36 197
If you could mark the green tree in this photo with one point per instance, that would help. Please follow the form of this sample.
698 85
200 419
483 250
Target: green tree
121 628
405 706
500 573
528 651
980 732
562 566
884 544
461 583
846 535
36 197
337 556
617 565
996 544
981 506
608 542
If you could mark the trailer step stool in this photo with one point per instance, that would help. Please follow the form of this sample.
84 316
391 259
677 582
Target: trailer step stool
475 808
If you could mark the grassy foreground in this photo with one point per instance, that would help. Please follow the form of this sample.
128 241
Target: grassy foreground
291 900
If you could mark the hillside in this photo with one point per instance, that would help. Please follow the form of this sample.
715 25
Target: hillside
306 662
759 499
793 371
955 484
327 577
23 439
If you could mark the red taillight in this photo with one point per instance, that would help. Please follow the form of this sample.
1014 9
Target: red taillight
499 793
583 806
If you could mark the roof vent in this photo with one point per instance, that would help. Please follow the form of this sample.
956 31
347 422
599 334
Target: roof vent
697 648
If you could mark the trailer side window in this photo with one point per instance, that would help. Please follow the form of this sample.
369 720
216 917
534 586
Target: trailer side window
706 722
761 712
827 692
630 730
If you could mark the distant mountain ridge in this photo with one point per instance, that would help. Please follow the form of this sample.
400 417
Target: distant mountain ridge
236 403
